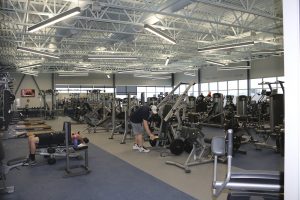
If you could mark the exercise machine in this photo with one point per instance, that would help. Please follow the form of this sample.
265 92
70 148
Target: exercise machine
243 184
5 168
200 152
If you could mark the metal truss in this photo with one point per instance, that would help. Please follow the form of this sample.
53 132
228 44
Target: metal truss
115 27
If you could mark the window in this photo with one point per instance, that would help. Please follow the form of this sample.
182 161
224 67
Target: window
141 89
204 87
196 91
168 89
121 96
243 84
270 80
281 78
233 89
223 86
159 90
182 88
234 93
254 83
74 90
213 87
232 85
151 89
109 90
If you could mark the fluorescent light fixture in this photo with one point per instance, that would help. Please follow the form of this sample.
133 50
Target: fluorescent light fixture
189 73
32 73
29 66
107 75
167 61
151 76
267 52
228 46
215 63
55 19
84 68
159 33
73 74
160 77
24 49
112 58
234 68
143 75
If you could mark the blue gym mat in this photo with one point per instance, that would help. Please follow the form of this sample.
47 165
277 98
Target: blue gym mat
110 179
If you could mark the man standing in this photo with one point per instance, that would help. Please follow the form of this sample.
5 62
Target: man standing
140 123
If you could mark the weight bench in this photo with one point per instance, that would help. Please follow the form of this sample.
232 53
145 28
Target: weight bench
5 168
51 152
244 184
59 150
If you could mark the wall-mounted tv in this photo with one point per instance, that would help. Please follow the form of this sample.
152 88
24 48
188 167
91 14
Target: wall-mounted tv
27 93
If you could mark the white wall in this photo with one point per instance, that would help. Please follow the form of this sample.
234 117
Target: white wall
291 27
129 79
44 83
270 67
95 78
181 77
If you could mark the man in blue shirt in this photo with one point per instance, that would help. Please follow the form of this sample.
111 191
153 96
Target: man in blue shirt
140 123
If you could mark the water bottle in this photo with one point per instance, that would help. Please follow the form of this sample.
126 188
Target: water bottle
75 141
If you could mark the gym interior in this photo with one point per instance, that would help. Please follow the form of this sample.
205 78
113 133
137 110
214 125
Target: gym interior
221 75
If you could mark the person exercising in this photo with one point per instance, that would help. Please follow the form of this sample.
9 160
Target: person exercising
140 122
48 139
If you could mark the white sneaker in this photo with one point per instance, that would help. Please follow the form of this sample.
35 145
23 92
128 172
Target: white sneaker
135 147
143 149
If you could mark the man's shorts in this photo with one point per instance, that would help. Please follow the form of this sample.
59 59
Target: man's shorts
137 128
48 139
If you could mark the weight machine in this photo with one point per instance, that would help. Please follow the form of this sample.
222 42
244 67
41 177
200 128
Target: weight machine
244 184
121 115
6 101
200 152
214 115
172 117
275 127
98 117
